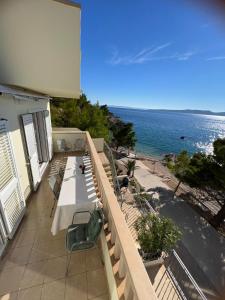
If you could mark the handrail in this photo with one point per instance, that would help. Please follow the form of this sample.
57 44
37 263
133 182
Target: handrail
114 173
196 287
131 267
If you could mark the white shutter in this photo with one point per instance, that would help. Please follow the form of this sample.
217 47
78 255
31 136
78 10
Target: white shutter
12 203
32 148
49 132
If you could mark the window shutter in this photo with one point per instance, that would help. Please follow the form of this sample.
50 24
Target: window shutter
49 132
7 171
32 148
12 203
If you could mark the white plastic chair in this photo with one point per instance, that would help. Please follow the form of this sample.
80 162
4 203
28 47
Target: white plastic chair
79 145
62 145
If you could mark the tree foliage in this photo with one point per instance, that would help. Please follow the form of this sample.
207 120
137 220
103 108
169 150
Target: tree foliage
123 134
204 171
80 113
98 120
181 165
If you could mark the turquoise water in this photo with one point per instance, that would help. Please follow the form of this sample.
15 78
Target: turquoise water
159 133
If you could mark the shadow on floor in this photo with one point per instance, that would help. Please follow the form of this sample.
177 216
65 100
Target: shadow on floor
202 248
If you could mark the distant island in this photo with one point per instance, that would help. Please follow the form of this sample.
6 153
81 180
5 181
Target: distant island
184 111
191 111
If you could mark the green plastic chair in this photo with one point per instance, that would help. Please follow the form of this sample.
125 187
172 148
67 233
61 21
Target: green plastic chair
83 236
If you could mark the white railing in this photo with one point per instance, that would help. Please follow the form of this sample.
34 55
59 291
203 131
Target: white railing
182 278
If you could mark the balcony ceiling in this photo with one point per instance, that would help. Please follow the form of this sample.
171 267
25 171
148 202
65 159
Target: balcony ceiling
40 46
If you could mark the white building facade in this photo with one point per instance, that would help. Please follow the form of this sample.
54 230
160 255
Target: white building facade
39 59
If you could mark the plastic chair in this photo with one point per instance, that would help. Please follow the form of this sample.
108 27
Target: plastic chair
63 146
55 190
79 145
83 236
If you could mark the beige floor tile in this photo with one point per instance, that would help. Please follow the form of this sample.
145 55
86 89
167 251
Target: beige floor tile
35 264
97 284
17 256
33 275
57 248
76 287
55 269
30 222
54 248
13 242
38 255
10 279
77 263
42 244
102 297
36 223
21 254
7 264
33 293
45 234
25 237
9 296
54 290
93 259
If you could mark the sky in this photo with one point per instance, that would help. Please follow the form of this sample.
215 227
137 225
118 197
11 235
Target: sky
153 54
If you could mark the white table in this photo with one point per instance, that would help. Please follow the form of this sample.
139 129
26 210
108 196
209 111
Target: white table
77 193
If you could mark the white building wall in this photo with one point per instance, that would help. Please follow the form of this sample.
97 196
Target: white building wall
11 109
40 46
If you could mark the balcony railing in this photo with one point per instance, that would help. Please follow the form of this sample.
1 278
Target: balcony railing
131 268
116 184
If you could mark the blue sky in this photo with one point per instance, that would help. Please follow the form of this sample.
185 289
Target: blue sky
153 54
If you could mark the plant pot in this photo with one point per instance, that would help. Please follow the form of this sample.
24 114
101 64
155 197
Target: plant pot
150 259
156 262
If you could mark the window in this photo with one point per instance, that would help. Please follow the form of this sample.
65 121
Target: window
12 204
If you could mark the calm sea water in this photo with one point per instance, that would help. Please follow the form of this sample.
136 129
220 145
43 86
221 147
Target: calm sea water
159 133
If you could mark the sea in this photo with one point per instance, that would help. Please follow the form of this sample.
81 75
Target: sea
163 132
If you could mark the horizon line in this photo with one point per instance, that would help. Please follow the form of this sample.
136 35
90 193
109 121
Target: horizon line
167 109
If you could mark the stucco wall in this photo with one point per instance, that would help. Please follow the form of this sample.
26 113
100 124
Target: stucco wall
11 110
40 46
99 144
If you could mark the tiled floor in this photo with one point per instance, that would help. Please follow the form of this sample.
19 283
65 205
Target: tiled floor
35 263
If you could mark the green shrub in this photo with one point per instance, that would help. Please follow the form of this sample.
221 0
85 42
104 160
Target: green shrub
156 235
142 197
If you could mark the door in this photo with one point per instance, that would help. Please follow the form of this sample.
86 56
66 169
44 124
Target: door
49 132
41 136
29 132
12 203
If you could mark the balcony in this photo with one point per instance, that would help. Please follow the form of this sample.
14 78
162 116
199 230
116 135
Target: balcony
35 262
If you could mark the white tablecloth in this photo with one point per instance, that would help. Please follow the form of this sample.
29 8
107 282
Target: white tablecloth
77 193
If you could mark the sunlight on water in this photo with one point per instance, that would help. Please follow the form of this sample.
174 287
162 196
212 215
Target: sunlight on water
207 148
160 132
216 128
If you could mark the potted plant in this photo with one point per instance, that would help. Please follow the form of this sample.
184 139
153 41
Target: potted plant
156 236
